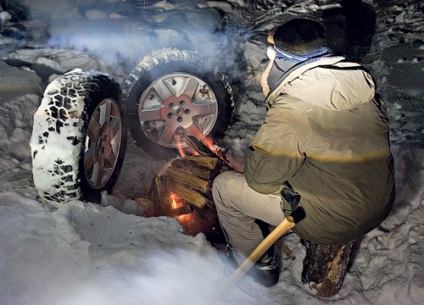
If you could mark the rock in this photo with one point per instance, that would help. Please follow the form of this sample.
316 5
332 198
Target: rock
204 20
161 17
96 15
255 54
163 5
58 61
51 9
220 5
5 16
14 82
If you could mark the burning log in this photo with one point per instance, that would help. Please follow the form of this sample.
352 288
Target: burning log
181 199
177 174
203 150
158 197
198 146
183 191
189 195
203 161
148 207
178 207
191 167
193 175
189 178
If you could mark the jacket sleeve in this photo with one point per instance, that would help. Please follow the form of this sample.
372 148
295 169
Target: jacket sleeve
275 154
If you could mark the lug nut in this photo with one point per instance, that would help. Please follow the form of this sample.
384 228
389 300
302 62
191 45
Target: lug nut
170 115
180 119
187 111
171 105
182 103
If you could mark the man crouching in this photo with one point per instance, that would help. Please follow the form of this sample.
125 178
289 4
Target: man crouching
325 137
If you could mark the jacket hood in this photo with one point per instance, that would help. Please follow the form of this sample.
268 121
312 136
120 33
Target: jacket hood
327 83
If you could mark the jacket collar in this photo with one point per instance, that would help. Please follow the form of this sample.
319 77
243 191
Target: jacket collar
295 71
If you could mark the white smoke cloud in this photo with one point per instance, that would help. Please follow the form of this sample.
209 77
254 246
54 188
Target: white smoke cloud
121 34
182 277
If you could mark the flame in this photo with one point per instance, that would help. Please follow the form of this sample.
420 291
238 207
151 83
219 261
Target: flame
208 142
184 151
177 202
181 150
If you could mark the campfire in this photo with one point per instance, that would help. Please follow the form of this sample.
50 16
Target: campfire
183 189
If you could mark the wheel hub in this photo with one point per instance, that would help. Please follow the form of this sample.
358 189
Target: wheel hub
100 145
177 111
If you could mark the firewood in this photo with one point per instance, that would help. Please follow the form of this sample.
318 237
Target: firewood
186 178
191 167
204 161
198 146
189 195
185 209
203 150
157 196
147 207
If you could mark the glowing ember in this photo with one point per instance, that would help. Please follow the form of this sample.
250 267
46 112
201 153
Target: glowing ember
193 221
177 203
184 218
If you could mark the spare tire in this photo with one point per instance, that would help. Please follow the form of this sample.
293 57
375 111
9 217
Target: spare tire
79 137
172 93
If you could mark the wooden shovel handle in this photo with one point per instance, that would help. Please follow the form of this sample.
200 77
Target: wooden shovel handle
286 225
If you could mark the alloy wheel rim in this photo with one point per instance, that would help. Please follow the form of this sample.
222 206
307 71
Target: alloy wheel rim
102 143
177 105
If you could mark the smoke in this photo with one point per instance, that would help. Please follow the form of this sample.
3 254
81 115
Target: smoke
181 277
85 254
121 32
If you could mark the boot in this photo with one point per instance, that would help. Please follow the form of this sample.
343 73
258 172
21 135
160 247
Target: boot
266 271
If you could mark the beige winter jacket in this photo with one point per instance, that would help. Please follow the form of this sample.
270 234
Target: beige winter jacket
327 134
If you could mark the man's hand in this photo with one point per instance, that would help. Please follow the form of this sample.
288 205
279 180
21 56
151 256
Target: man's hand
237 165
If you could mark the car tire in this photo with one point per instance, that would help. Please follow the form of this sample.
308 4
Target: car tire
79 137
171 93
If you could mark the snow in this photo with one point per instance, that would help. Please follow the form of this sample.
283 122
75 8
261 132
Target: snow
86 253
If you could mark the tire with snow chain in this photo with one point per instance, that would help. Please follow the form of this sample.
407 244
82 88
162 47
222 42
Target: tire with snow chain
171 93
79 137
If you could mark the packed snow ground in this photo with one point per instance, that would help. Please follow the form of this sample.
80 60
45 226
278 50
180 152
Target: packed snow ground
85 253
